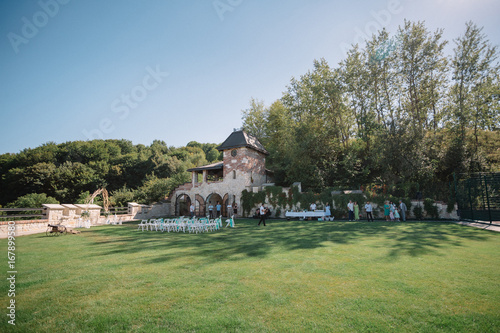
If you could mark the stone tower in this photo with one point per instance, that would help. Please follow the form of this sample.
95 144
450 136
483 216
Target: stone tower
244 160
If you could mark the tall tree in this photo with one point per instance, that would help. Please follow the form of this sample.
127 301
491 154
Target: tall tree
475 93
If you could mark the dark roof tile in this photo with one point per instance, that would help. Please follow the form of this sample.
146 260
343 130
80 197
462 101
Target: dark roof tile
240 139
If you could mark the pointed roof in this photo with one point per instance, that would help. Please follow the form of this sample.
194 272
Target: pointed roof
240 139
213 166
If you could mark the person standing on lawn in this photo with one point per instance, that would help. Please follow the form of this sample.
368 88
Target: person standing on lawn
262 213
350 208
235 209
387 208
211 211
191 210
218 207
369 209
403 209
356 211
328 212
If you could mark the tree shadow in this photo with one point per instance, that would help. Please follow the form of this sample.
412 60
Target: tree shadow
249 241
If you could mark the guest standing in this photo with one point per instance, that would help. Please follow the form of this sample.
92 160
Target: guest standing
211 211
356 211
191 210
403 209
386 210
369 209
350 208
235 209
328 212
218 207
262 213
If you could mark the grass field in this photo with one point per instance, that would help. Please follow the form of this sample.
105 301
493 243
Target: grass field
290 276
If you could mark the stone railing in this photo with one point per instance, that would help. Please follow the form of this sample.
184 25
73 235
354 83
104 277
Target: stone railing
78 215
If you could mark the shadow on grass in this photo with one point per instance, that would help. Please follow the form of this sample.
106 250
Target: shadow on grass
249 241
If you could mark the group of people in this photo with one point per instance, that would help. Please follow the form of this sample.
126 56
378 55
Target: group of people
232 210
391 212
353 210
394 213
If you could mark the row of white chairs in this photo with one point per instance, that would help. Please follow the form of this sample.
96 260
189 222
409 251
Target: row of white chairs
114 221
194 225
81 223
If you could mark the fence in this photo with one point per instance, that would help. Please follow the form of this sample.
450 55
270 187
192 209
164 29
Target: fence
478 196
20 213
118 210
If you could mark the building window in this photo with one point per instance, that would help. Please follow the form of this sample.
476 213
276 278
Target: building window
234 174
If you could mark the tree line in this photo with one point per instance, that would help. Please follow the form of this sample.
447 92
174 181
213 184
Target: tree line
396 113
69 172
397 116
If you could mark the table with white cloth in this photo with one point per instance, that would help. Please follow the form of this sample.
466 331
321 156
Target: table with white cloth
306 214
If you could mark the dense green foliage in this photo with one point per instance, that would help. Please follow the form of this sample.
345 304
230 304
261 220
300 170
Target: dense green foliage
396 112
70 171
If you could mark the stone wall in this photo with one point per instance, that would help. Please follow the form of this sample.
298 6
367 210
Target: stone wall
248 164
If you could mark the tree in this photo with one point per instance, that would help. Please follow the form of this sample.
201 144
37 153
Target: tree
254 119
475 93
33 200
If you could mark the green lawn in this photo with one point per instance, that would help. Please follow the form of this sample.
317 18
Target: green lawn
290 276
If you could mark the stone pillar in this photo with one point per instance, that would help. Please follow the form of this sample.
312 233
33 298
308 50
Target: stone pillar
133 208
205 174
53 212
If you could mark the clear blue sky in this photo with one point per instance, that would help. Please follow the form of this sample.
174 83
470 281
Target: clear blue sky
179 70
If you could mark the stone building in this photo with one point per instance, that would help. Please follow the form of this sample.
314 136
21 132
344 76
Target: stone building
243 167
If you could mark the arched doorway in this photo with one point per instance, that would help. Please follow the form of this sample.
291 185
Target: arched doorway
182 204
212 199
199 205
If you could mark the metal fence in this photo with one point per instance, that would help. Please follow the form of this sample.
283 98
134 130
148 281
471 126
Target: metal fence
478 196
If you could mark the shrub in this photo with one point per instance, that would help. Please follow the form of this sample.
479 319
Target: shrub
33 200
451 205
431 208
418 212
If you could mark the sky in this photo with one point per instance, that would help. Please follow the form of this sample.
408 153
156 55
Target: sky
177 70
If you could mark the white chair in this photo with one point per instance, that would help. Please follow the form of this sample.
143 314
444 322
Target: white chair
153 223
142 225
170 225
230 222
161 225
